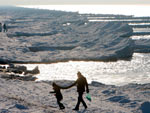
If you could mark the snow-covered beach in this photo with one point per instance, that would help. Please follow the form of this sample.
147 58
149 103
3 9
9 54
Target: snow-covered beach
33 97
62 36
76 42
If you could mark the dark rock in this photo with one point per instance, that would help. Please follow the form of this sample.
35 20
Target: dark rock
22 68
11 65
34 71
16 69
24 78
2 68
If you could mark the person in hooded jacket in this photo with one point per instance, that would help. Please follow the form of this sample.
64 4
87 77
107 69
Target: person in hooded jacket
58 95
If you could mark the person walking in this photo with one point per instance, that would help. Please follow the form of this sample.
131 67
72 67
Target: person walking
58 95
5 28
81 84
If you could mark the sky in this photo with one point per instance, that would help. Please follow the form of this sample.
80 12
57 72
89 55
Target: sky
51 2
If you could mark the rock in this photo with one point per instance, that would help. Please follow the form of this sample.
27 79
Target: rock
22 68
11 65
16 69
34 71
24 78
2 68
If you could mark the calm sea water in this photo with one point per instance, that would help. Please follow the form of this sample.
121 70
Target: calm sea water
115 73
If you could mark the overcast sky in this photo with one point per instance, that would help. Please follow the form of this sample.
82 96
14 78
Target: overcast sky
49 2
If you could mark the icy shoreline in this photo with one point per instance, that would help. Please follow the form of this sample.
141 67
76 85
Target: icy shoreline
58 36
27 96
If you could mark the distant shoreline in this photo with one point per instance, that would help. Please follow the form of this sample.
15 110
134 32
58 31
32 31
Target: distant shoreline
127 9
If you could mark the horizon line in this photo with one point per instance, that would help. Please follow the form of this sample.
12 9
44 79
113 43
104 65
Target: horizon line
74 4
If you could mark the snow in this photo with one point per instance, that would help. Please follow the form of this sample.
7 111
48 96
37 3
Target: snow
26 96
31 38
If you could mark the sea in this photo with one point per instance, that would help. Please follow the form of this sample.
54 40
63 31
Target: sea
122 72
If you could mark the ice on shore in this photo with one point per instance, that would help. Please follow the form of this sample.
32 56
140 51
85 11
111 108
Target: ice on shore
44 38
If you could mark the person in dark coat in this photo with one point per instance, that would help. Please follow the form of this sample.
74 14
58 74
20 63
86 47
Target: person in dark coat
58 95
5 28
81 84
